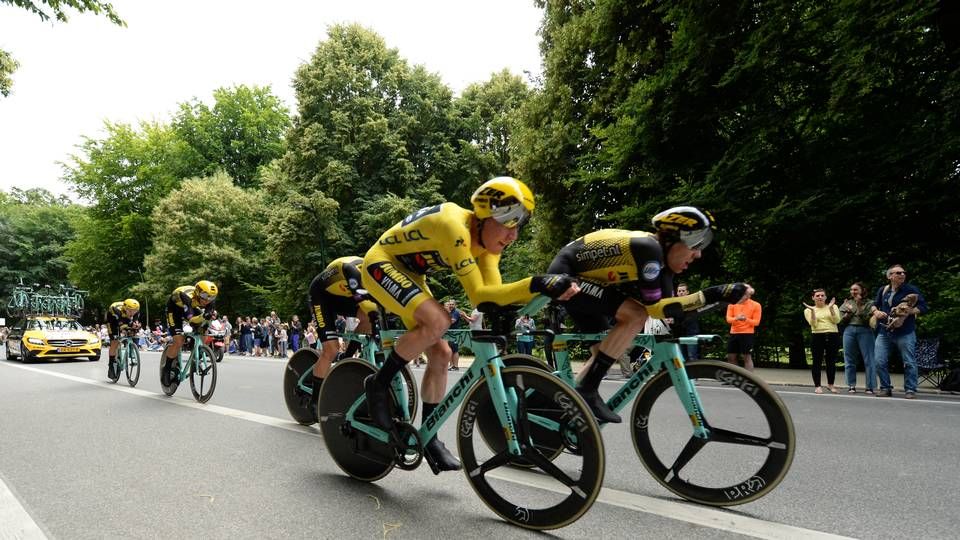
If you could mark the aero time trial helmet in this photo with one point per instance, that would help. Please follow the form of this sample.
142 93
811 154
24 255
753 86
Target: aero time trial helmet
506 200
206 290
131 305
692 226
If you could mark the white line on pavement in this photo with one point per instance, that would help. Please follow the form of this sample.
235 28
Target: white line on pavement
15 522
697 515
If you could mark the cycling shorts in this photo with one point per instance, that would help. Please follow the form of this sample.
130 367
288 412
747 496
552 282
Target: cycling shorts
175 317
594 307
325 307
397 289
114 323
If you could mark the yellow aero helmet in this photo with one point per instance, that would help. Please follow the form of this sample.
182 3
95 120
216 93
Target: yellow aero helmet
131 305
505 199
206 290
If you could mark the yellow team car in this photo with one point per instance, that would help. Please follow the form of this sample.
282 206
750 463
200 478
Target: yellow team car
37 338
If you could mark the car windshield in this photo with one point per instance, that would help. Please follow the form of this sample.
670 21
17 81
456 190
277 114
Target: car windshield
57 324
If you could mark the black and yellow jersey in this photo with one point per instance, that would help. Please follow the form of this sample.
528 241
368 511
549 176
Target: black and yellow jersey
116 309
632 260
437 239
184 296
340 278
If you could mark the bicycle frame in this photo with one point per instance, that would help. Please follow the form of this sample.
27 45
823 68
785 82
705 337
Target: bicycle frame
665 354
123 352
488 365
194 353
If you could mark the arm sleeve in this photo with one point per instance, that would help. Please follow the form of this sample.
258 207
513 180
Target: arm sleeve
482 282
730 315
921 304
351 274
758 313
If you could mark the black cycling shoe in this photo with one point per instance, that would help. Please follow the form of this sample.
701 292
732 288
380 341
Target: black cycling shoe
112 369
441 457
378 405
598 407
171 373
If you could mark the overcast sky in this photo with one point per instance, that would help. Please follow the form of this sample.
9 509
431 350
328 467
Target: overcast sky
75 75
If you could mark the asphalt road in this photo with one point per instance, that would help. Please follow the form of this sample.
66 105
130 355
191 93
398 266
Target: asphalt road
83 458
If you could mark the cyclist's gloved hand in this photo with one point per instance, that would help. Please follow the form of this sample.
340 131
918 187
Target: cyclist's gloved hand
552 285
730 293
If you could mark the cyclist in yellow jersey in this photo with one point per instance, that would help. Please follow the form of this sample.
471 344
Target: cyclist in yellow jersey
120 316
190 303
335 292
446 238
627 276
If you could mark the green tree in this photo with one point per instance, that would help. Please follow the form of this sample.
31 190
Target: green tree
241 132
368 125
7 66
34 227
488 113
211 229
125 175
58 9
822 135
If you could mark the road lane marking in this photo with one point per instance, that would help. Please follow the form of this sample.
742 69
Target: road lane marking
698 515
691 513
15 522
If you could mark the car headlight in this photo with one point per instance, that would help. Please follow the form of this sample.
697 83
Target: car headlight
35 341
93 340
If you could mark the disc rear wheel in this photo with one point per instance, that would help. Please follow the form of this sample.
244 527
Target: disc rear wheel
298 400
357 454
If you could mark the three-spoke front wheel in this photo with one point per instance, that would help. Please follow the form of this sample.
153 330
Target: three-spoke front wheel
203 374
571 480
133 364
750 444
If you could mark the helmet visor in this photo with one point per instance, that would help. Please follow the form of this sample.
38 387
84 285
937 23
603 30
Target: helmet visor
205 296
511 215
697 239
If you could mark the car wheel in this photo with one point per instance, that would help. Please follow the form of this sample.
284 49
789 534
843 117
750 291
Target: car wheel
26 356
10 355
95 358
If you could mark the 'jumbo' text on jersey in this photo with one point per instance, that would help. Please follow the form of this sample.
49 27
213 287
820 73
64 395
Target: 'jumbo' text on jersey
631 260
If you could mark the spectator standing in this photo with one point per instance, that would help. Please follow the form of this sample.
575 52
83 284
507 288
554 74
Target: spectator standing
246 337
524 325
891 301
456 321
825 339
227 333
257 337
296 329
689 326
311 336
476 319
743 318
858 338
282 338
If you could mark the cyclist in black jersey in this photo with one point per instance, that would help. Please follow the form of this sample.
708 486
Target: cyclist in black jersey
191 303
336 291
627 276
120 317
